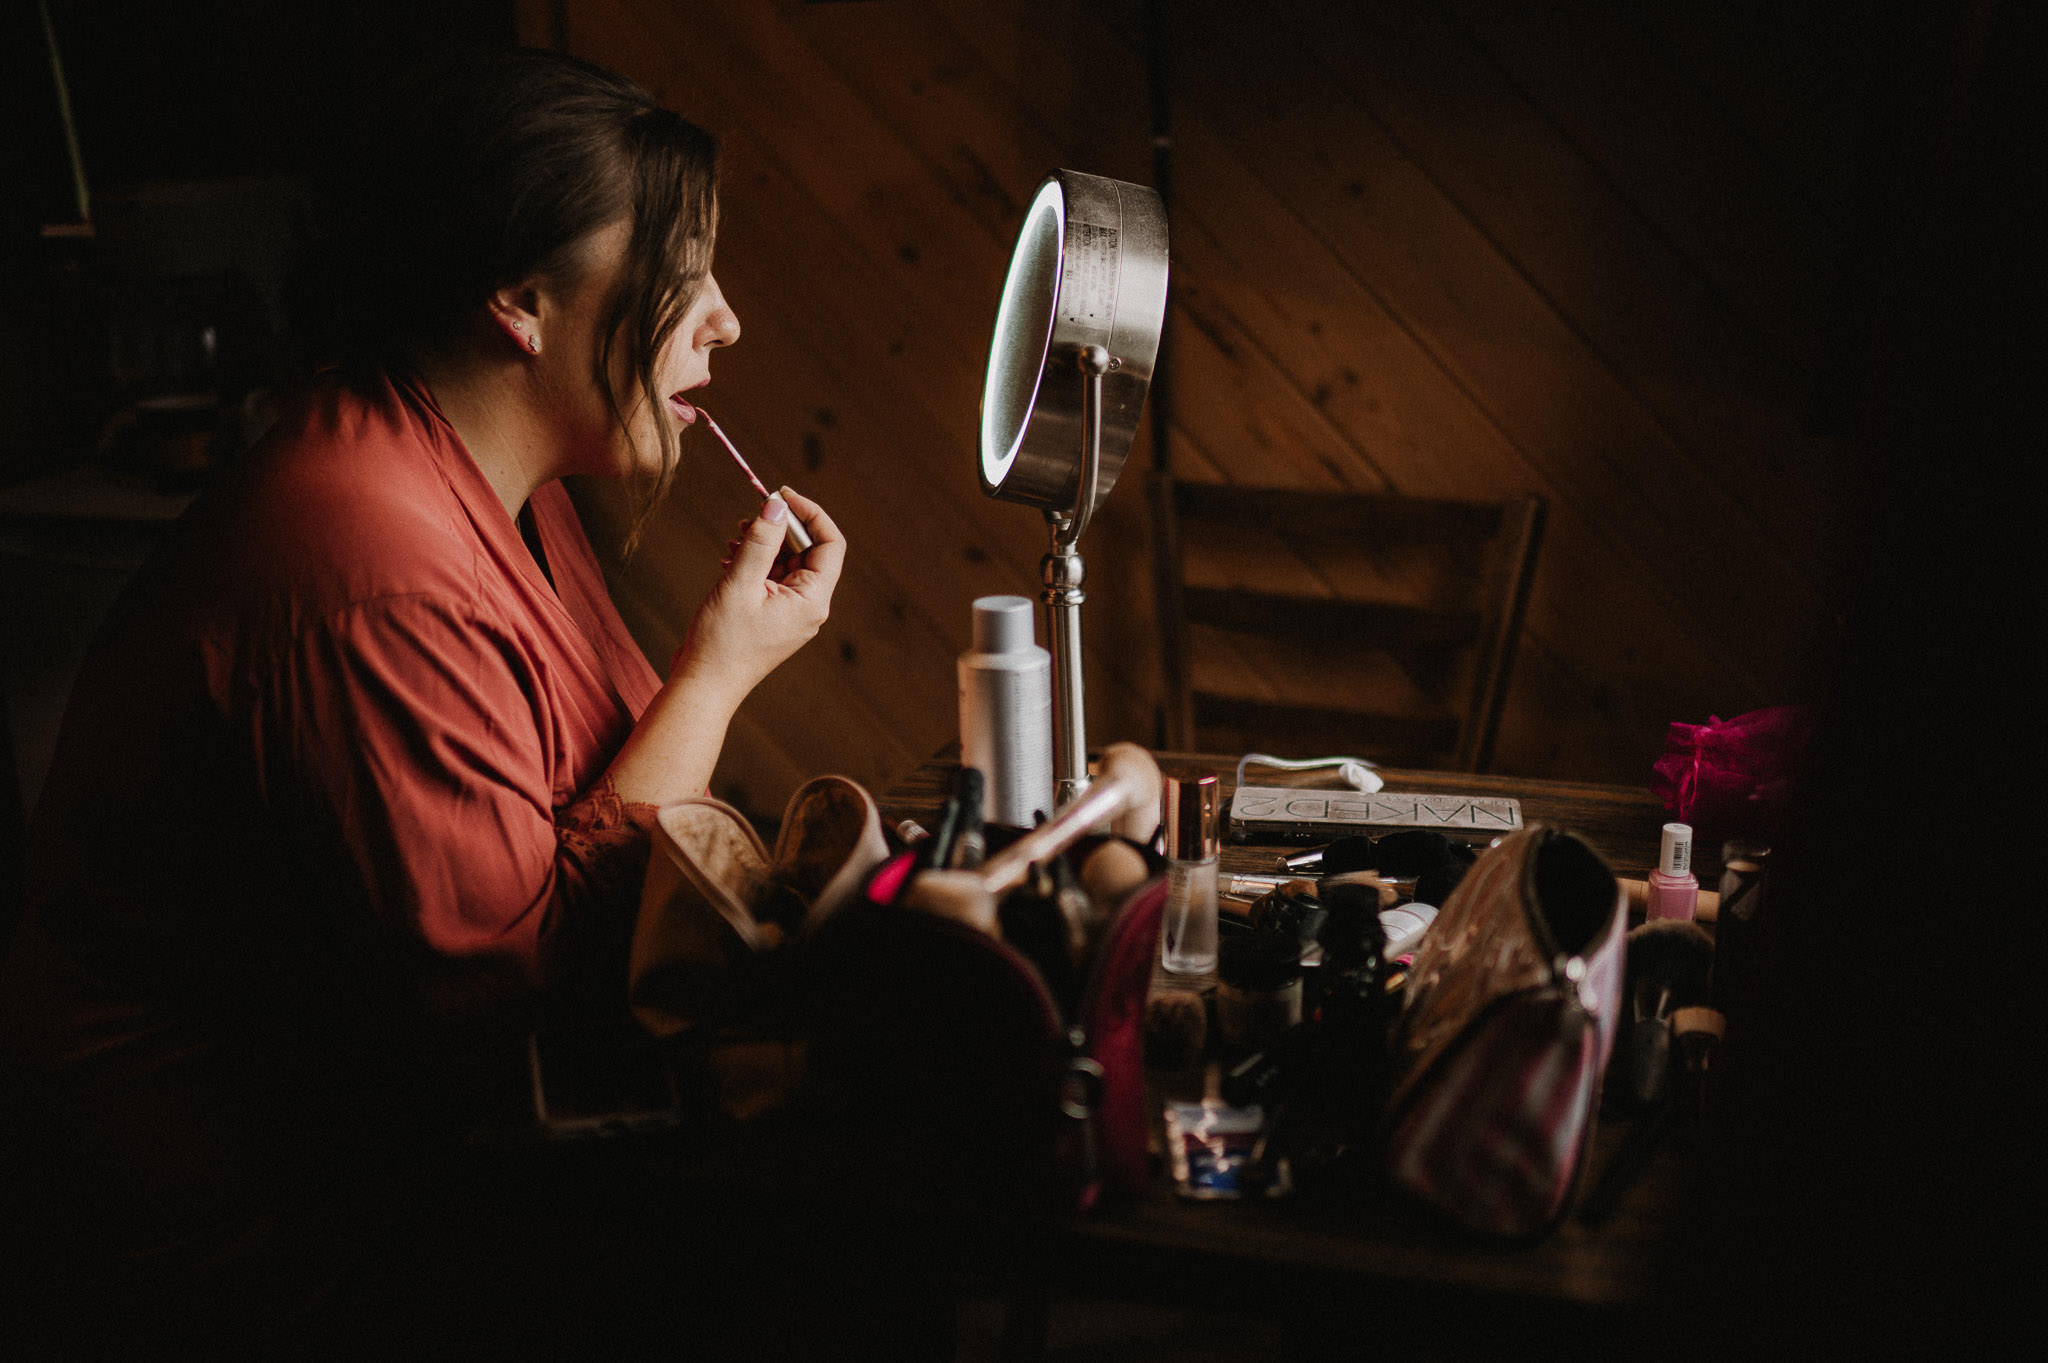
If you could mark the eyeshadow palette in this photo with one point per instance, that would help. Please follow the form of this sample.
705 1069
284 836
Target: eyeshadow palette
1284 814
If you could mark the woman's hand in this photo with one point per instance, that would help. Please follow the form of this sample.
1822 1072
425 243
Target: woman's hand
767 604
753 619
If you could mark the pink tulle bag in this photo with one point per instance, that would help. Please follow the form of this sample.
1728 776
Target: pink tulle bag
1732 777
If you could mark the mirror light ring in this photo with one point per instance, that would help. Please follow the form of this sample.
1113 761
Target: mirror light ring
1048 207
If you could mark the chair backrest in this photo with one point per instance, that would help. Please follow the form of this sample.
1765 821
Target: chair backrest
1307 623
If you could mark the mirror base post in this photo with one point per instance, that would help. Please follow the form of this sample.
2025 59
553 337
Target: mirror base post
1062 571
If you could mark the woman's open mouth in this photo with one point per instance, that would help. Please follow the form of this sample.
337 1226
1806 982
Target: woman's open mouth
684 412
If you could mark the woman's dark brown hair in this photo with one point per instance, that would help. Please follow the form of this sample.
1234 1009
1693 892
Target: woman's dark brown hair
491 166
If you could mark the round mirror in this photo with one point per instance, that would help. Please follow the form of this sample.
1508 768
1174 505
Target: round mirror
1089 268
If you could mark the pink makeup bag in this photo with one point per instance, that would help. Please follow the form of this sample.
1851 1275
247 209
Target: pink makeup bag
1509 1017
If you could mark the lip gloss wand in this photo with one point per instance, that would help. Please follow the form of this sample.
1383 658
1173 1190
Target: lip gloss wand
799 538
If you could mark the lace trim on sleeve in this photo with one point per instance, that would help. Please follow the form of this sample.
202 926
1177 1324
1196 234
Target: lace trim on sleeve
607 836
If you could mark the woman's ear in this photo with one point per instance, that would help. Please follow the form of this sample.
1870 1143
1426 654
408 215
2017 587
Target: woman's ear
516 310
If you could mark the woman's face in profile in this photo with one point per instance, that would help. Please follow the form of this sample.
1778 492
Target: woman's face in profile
683 366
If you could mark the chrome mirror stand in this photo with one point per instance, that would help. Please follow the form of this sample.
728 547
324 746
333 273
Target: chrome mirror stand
1063 573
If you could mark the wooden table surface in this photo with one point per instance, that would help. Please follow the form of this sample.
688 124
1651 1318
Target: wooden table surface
1621 821
1378 1251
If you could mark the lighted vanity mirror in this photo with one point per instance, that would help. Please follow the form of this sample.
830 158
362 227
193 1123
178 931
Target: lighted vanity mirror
1076 336
1089 269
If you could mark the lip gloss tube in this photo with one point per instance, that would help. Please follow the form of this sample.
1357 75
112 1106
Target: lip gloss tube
1674 890
798 538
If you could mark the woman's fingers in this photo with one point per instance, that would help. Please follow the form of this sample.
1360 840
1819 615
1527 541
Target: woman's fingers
768 602
822 561
761 541
822 527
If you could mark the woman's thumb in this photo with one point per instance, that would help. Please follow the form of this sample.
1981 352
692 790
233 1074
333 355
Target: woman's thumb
763 540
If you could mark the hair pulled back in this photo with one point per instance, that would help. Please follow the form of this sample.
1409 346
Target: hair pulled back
494 166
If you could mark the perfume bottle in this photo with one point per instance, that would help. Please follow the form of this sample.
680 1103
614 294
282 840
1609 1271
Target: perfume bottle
1188 930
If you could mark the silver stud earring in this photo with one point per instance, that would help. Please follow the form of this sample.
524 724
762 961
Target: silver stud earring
533 344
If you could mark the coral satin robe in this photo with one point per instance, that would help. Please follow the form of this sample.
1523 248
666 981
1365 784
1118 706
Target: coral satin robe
327 826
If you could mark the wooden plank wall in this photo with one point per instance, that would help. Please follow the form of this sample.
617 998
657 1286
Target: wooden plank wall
1583 247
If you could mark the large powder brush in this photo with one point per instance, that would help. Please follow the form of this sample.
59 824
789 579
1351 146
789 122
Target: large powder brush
1669 961
1669 964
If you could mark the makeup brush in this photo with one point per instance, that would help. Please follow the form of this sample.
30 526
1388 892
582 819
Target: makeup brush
1113 870
1668 963
1128 781
1707 908
957 895
1176 1029
1698 1032
970 842
1354 853
1032 919
937 851
799 538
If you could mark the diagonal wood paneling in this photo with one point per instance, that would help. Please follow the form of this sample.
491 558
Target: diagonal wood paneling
1460 249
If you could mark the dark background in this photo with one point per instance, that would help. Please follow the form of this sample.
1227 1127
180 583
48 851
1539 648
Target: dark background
216 87
1625 256
1878 1151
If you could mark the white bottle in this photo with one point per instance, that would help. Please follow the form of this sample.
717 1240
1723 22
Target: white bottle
1187 929
1006 712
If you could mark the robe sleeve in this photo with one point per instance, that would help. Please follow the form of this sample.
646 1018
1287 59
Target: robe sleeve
410 748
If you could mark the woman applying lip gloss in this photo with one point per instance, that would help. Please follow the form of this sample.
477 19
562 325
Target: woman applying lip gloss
352 789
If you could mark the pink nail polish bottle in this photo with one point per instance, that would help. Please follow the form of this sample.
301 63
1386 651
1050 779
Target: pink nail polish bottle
1674 890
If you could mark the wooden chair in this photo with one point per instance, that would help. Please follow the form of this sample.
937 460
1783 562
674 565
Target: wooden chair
1306 623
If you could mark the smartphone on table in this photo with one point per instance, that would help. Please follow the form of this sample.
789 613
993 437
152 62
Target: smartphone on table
601 1078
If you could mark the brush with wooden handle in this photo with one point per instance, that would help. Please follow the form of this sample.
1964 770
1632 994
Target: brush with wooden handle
1124 795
